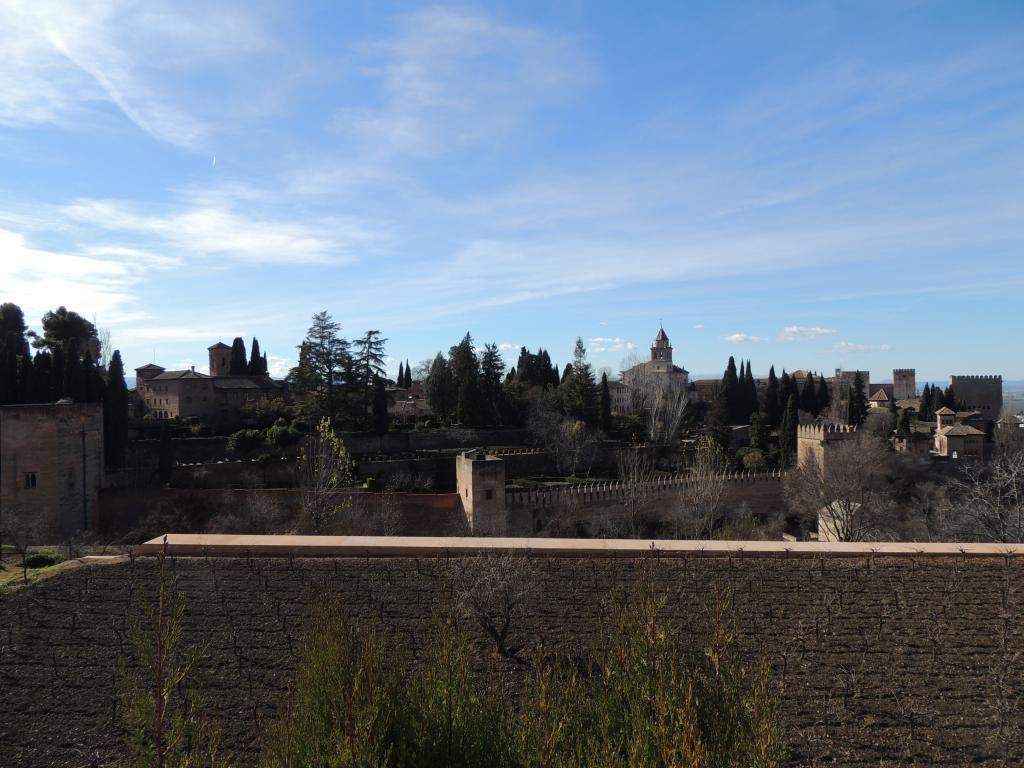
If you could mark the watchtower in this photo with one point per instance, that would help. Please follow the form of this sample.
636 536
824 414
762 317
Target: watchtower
980 393
904 383
480 480
813 441
220 359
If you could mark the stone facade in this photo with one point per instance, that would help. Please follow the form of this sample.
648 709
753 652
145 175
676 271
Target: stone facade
812 441
980 393
51 467
904 383
215 399
659 372
954 437
480 480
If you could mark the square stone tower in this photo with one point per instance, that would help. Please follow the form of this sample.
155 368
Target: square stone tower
480 480
904 383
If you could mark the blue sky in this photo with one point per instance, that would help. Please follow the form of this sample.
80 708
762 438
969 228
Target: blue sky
805 184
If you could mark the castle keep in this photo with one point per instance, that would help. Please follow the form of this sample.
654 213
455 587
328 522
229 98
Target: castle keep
980 393
51 467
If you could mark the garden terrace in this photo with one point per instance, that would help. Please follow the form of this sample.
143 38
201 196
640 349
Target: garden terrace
884 654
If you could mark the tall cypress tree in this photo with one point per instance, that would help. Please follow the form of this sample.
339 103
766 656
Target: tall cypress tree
239 365
787 432
257 362
750 386
492 368
731 393
787 389
924 410
115 413
408 374
606 404
809 396
401 375
824 396
858 410
380 407
771 399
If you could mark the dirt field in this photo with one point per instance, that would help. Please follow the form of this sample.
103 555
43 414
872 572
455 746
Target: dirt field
881 660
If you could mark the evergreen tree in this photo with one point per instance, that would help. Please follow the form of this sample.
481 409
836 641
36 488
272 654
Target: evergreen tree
440 388
64 328
492 368
42 377
57 371
760 432
924 410
401 375
787 389
239 365
824 396
787 432
72 385
466 375
771 399
566 373
115 413
380 407
903 423
368 366
25 379
8 370
750 385
408 375
949 398
579 390
12 320
606 404
938 400
809 396
858 400
257 362
731 393
716 424
324 363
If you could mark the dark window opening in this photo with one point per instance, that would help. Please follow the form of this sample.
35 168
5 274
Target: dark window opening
488 494
30 479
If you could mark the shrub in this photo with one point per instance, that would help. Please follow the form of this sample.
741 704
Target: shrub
244 440
39 560
283 435
752 458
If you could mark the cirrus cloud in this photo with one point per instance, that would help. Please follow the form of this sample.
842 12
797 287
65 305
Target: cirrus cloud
794 332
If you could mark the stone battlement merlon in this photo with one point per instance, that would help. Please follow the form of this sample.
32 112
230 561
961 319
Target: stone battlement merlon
904 370
975 377
226 545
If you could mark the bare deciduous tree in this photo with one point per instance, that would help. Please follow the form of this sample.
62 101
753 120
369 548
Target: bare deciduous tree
635 474
324 468
849 493
988 499
698 508
492 590
658 399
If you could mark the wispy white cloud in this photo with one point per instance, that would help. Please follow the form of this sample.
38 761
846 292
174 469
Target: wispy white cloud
744 338
59 60
848 347
600 344
795 332
508 346
455 75
699 327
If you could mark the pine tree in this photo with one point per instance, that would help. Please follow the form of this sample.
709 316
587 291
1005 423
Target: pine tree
12 320
239 365
579 391
566 373
42 377
324 365
8 370
606 404
787 432
771 399
492 368
466 375
401 375
115 413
